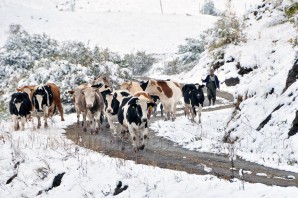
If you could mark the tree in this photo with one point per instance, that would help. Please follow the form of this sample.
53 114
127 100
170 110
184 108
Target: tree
208 8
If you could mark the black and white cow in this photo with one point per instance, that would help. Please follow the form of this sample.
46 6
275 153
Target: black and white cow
193 98
132 116
112 105
20 108
42 100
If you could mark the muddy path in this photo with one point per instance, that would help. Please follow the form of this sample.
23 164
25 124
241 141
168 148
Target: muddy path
163 153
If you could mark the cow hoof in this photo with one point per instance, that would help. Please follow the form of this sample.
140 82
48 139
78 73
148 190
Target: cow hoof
38 126
166 119
142 147
173 119
85 129
62 119
107 125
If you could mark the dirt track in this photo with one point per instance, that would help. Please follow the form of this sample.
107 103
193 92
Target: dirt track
165 154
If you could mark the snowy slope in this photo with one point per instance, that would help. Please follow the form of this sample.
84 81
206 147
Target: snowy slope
270 55
123 32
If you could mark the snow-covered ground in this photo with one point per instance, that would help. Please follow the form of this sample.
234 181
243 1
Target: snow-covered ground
45 153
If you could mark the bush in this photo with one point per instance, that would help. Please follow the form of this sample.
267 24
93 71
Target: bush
228 29
292 10
192 49
139 62
208 8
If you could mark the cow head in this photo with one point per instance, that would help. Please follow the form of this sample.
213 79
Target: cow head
42 95
141 105
126 85
90 96
102 83
152 87
109 103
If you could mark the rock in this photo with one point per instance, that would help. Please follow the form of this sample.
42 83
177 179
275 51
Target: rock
243 70
294 128
292 76
260 17
230 59
232 81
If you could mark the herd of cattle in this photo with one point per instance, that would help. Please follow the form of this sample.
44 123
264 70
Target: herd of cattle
131 105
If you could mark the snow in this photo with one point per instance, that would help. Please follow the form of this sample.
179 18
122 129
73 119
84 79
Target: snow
123 32
44 153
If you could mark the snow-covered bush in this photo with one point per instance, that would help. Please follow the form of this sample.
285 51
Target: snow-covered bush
208 8
140 62
228 29
35 59
192 49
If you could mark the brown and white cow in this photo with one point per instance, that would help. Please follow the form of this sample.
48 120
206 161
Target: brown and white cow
169 93
91 104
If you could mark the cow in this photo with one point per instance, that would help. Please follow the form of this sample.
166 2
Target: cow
135 87
169 93
102 83
42 100
193 98
132 116
20 108
56 96
112 104
131 86
146 96
75 99
91 104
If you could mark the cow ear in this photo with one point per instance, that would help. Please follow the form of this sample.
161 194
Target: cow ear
202 86
71 92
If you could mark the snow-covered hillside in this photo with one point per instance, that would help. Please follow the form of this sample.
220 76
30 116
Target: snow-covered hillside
266 56
125 31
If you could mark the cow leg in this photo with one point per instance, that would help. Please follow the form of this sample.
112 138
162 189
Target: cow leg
200 113
144 136
112 126
173 111
161 110
60 109
84 124
78 117
38 122
46 122
193 113
23 120
167 112
133 138
15 122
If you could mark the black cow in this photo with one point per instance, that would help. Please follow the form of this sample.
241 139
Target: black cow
20 108
132 116
42 100
193 97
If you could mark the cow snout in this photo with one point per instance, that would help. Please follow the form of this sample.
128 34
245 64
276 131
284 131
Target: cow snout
89 105
144 119
109 110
